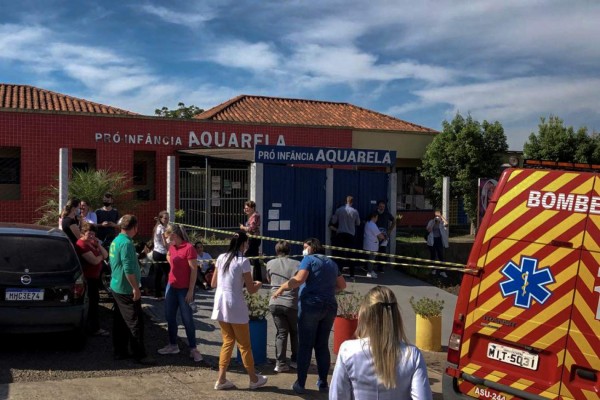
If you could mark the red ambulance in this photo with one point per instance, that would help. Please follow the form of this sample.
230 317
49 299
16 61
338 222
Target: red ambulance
527 319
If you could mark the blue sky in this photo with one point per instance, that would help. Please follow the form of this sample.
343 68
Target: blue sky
513 61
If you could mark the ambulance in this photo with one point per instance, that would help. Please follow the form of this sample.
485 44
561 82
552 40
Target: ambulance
527 318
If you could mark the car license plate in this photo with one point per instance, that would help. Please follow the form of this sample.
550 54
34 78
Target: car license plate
512 356
24 294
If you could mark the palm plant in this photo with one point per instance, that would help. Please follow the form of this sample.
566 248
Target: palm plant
89 185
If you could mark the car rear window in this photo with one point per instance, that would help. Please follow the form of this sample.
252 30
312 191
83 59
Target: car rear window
36 254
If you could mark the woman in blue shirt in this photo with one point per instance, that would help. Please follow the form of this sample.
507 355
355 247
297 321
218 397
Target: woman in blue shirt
319 280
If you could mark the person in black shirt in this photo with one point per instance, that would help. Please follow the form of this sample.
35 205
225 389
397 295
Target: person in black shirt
386 224
107 220
69 222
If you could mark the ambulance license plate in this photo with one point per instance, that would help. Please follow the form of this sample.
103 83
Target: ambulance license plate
512 356
24 294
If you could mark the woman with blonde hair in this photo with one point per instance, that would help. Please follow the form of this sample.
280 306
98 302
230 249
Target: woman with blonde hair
380 364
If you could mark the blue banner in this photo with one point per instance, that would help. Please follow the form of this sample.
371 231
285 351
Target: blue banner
323 156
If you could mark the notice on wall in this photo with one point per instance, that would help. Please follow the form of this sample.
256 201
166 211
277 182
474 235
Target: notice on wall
284 225
273 214
276 205
226 186
273 226
215 202
215 182
236 185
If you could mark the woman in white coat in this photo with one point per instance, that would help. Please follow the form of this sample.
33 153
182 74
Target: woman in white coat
380 364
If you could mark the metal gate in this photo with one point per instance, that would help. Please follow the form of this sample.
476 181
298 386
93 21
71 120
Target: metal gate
216 201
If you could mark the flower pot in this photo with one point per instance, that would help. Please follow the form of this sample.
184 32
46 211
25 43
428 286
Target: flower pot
343 329
429 333
258 341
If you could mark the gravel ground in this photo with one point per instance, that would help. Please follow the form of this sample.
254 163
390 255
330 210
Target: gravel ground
28 358
34 358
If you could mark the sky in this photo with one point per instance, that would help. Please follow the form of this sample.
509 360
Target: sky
512 61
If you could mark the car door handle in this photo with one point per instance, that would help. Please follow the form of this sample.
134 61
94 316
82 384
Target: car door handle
587 374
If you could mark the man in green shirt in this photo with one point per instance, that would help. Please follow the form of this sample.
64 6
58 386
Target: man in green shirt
128 322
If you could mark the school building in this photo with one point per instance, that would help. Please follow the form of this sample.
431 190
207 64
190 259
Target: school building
213 152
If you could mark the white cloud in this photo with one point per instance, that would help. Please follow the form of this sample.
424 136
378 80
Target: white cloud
259 57
331 65
512 99
518 103
191 19
16 41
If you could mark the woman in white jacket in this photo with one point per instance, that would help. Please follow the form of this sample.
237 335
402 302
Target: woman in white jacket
380 364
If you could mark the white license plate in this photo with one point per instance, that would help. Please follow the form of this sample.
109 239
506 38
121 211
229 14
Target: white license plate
512 356
24 295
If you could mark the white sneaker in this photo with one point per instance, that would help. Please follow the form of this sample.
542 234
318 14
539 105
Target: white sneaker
169 349
372 275
281 368
262 380
225 385
293 365
195 354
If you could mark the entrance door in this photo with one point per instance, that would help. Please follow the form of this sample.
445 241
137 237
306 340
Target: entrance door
293 205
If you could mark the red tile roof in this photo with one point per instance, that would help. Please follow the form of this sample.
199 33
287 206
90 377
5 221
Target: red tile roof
25 97
273 110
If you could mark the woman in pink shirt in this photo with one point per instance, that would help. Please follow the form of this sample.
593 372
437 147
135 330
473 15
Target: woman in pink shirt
179 293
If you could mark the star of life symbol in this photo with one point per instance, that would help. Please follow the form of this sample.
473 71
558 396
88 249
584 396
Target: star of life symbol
526 282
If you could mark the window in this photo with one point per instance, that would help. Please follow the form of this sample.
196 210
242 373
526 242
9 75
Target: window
83 160
144 171
10 173
411 190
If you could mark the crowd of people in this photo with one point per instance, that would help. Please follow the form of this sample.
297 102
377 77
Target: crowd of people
380 363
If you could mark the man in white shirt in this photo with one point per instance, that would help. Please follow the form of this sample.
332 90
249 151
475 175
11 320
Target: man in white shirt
371 240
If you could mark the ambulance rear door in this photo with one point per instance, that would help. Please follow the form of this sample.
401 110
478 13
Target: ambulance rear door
519 312
581 374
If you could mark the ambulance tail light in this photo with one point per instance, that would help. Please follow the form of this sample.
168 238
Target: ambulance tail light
455 340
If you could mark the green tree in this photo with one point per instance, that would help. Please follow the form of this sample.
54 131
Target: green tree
181 112
465 150
90 186
557 142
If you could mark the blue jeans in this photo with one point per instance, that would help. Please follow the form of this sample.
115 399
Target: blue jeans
315 320
175 299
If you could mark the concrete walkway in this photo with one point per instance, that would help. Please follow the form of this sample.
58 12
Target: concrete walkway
199 383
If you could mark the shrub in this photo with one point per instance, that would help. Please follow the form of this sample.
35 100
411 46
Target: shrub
427 307
348 304
89 185
258 305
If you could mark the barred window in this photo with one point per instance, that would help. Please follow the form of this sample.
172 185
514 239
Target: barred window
10 173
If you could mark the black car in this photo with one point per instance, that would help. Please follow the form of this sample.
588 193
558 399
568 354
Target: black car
42 287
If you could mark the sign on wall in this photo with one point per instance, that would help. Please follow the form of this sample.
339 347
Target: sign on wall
323 155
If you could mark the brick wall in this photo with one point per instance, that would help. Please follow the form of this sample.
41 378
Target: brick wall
40 135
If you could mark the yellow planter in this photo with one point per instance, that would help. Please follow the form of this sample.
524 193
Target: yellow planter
429 333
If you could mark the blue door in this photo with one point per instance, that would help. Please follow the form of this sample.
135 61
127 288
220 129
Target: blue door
295 199
367 187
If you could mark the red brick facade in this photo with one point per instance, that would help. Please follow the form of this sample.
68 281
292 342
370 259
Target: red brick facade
39 136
